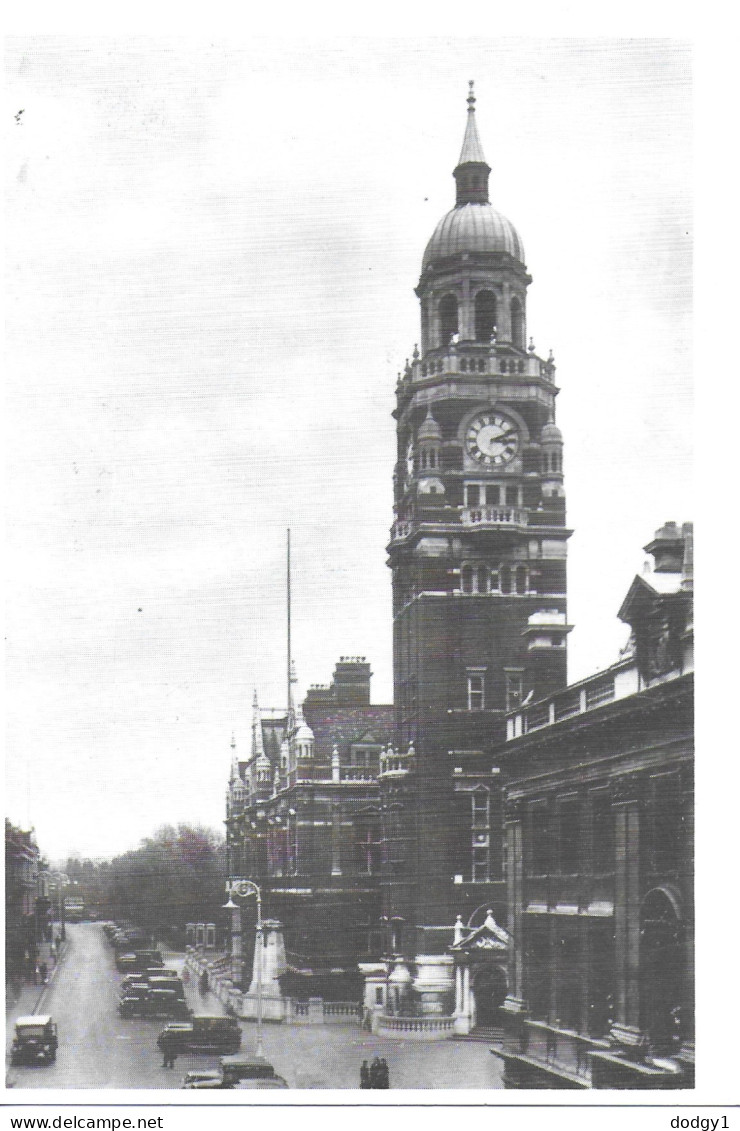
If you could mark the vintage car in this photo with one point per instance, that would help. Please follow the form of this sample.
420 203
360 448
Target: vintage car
139 960
237 1072
154 1003
144 977
203 1033
35 1040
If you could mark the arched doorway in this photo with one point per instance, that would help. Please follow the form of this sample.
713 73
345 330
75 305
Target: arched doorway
490 987
661 968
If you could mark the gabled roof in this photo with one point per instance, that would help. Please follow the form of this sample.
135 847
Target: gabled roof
489 936
645 588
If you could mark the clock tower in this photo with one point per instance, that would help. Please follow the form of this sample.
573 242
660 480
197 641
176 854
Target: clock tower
477 554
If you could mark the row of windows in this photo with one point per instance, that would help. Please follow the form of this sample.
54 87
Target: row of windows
503 579
486 308
492 494
429 458
576 834
477 689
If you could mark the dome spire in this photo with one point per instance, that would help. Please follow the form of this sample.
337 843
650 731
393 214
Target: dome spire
472 169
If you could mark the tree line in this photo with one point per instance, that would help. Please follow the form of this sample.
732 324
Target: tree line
174 877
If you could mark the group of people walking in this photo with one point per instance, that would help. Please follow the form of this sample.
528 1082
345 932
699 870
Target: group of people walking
374 1075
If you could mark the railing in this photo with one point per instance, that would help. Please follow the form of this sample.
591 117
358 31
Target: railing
562 1049
357 774
342 1010
401 530
394 765
494 516
419 1028
565 705
537 717
483 359
601 692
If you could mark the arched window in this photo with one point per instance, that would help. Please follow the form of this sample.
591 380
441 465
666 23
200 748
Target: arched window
482 579
517 323
505 579
466 576
485 315
447 318
521 579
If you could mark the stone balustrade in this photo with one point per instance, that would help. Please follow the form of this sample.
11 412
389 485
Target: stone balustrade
425 1028
494 516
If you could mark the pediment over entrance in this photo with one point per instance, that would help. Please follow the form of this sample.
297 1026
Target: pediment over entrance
488 937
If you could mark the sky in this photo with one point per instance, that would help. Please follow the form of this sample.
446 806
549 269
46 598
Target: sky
212 250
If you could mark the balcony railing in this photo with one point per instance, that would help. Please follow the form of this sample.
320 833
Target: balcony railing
494 516
565 705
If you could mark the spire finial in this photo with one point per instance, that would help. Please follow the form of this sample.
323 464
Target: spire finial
472 169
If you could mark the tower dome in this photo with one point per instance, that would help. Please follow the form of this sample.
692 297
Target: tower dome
472 225
551 434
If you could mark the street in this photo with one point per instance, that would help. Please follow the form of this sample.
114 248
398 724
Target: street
99 1050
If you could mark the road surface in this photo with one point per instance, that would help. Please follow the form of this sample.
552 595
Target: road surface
97 1049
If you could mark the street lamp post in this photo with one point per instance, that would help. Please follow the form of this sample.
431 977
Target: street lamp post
244 888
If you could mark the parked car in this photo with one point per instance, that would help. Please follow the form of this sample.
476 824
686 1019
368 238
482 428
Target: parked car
139 960
204 1033
237 1072
145 976
35 1040
134 989
154 1003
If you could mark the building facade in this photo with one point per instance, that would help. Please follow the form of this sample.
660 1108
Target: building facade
26 902
303 822
599 835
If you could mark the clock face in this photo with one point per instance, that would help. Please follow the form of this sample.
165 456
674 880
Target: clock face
492 439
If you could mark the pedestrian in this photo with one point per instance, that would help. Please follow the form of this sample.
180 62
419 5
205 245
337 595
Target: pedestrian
168 1053
203 985
44 972
375 1073
384 1074
364 1075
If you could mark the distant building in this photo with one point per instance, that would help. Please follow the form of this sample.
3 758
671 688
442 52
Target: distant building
26 909
599 849
303 822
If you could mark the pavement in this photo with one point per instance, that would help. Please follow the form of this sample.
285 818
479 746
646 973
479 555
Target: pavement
32 995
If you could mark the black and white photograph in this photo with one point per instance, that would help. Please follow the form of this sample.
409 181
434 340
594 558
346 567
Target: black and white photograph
350 568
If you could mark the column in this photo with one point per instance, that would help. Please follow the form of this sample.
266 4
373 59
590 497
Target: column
236 948
336 860
503 315
466 992
626 808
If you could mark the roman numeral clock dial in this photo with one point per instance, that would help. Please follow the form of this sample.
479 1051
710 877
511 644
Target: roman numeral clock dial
492 439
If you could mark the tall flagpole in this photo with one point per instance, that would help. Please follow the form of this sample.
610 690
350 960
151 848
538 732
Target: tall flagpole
289 671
